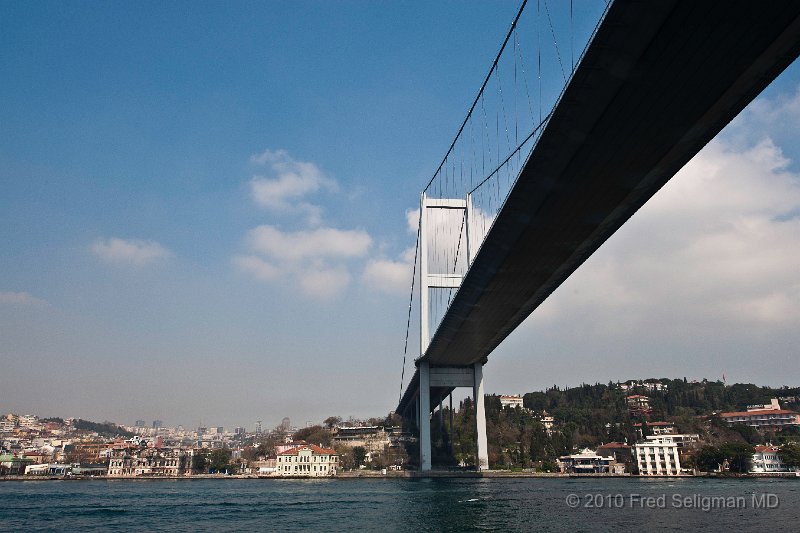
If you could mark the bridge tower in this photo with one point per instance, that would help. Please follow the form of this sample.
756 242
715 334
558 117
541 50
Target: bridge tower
443 379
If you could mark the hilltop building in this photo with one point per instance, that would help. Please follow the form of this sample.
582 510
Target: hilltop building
656 428
638 405
650 385
511 401
769 416
373 438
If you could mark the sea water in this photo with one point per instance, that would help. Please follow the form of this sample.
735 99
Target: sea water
394 504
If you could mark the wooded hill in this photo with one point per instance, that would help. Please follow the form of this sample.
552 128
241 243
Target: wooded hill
589 415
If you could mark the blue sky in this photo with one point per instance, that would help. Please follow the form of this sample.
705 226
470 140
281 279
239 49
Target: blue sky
204 208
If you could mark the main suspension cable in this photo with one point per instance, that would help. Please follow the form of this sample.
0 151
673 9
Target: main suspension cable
480 93
410 303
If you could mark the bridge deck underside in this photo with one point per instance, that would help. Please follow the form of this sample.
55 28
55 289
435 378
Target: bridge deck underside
657 83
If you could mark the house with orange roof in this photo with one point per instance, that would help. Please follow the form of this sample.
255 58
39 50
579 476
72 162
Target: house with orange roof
769 416
308 460
768 459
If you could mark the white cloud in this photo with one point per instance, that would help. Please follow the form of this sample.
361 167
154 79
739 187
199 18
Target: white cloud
412 219
779 116
315 259
260 269
390 276
131 251
711 251
317 243
293 181
20 298
323 282
318 259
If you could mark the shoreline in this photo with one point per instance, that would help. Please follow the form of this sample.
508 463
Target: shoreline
411 474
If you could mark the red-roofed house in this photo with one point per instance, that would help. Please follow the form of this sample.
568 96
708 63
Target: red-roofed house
286 446
638 405
308 460
768 459
764 416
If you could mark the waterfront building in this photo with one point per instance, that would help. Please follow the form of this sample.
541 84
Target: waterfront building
39 469
285 446
265 467
658 456
89 469
308 460
767 459
589 462
619 451
13 464
150 462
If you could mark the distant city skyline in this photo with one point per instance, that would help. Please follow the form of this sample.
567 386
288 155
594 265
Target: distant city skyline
205 217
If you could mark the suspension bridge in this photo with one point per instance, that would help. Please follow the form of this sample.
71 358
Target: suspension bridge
556 152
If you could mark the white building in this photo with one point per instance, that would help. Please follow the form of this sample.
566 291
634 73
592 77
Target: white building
656 428
638 401
169 463
547 421
768 459
685 440
511 401
308 460
27 421
764 416
648 385
658 456
286 446
588 462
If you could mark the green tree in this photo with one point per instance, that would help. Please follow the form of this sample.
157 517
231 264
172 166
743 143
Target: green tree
200 463
748 433
739 455
332 421
359 454
346 461
219 460
709 459
790 453
315 435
